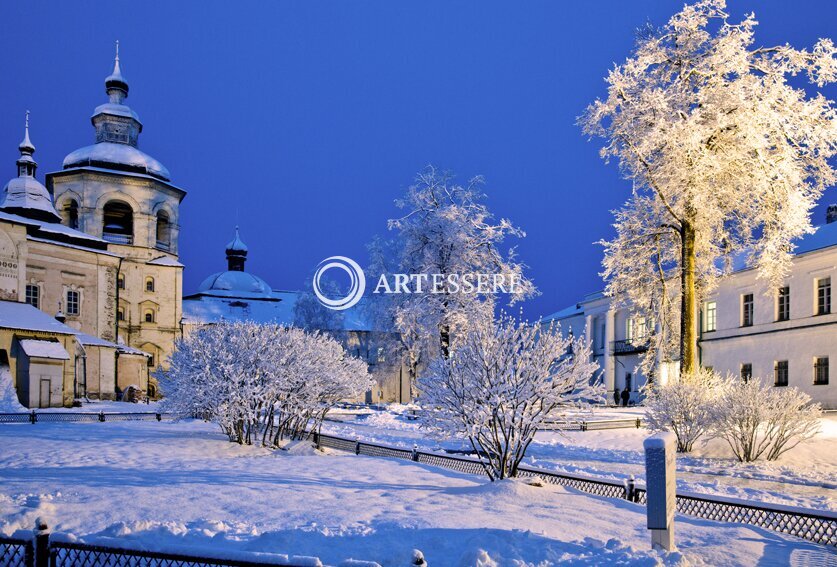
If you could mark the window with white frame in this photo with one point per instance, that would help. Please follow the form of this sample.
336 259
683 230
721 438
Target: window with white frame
783 304
73 302
710 316
747 310
33 295
823 296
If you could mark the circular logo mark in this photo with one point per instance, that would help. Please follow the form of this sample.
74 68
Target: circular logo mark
356 278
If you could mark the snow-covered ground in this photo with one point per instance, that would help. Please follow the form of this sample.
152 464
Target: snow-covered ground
161 485
805 476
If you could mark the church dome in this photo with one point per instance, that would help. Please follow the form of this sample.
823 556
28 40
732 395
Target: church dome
235 284
117 156
117 134
24 195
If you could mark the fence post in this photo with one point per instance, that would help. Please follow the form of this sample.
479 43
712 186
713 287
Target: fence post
660 488
357 448
630 489
638 423
102 416
41 543
584 426
415 453
159 417
33 417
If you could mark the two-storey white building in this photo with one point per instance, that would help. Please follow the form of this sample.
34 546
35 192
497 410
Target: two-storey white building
786 336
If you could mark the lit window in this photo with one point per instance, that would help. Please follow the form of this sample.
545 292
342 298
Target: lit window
710 320
783 304
747 310
746 372
73 302
780 373
824 296
821 371
381 355
33 295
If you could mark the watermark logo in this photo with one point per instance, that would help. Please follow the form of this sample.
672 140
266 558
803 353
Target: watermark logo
357 282
434 284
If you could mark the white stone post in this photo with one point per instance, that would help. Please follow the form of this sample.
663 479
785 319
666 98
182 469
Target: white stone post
660 488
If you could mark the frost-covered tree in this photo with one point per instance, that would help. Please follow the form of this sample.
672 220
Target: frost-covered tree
685 407
310 314
260 383
500 383
446 229
725 158
759 420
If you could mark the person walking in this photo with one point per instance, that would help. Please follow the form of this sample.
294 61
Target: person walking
626 395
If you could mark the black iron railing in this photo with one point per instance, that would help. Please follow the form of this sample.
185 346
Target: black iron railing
15 552
629 346
74 416
812 525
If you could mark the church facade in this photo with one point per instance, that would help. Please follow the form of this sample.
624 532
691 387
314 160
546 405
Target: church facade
90 283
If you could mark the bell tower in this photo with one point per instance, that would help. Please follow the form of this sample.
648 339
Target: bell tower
114 191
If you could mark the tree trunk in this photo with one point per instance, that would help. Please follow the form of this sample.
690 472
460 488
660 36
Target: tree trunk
688 300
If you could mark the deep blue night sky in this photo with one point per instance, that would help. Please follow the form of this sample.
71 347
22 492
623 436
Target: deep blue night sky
305 120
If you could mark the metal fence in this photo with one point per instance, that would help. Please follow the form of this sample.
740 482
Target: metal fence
16 552
591 425
75 416
41 550
812 525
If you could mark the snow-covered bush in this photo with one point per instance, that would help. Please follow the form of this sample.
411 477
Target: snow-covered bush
685 406
758 420
446 229
260 383
500 383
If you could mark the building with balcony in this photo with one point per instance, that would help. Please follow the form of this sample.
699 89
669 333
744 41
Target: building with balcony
786 337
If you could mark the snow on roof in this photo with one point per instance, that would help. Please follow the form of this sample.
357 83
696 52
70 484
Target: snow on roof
202 309
74 246
24 317
116 110
117 154
564 313
51 228
165 261
236 244
38 348
90 340
125 349
28 193
235 284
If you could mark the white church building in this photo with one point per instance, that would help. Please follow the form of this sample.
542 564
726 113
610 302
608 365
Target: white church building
787 337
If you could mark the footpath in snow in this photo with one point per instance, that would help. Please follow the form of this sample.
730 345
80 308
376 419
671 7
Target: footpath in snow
172 485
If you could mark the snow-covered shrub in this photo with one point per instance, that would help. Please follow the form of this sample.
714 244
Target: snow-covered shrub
500 383
684 406
759 420
260 383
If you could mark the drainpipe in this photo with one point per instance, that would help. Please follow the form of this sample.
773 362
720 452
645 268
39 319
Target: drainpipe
116 333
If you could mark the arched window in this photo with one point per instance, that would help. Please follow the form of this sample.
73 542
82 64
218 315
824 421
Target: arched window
118 223
163 231
149 315
149 284
69 214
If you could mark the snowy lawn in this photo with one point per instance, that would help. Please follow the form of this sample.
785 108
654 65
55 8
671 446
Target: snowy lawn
162 485
805 476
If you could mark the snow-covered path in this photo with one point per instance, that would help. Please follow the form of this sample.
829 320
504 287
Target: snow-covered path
805 476
183 484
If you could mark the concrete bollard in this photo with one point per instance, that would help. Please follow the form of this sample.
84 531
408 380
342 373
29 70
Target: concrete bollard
660 487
